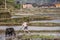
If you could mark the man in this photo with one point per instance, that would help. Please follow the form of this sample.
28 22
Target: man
25 25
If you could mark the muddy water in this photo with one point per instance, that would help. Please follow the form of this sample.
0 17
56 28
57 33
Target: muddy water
30 28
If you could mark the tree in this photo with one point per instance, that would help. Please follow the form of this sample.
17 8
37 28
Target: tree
1 2
17 5
11 3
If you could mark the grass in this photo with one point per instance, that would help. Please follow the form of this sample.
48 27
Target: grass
45 24
18 21
42 36
38 36
35 36
38 10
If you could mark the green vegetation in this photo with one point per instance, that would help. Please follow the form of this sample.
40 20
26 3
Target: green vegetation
17 6
19 21
40 10
10 4
29 18
42 36
38 36
45 24
1 2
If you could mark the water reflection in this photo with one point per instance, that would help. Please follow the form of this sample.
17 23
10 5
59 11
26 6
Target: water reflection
31 28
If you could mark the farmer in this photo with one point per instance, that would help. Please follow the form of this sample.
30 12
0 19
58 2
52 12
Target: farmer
25 25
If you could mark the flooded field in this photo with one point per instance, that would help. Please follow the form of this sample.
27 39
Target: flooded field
42 35
45 21
33 28
37 28
30 28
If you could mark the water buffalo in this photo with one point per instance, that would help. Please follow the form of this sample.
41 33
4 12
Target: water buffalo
10 32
